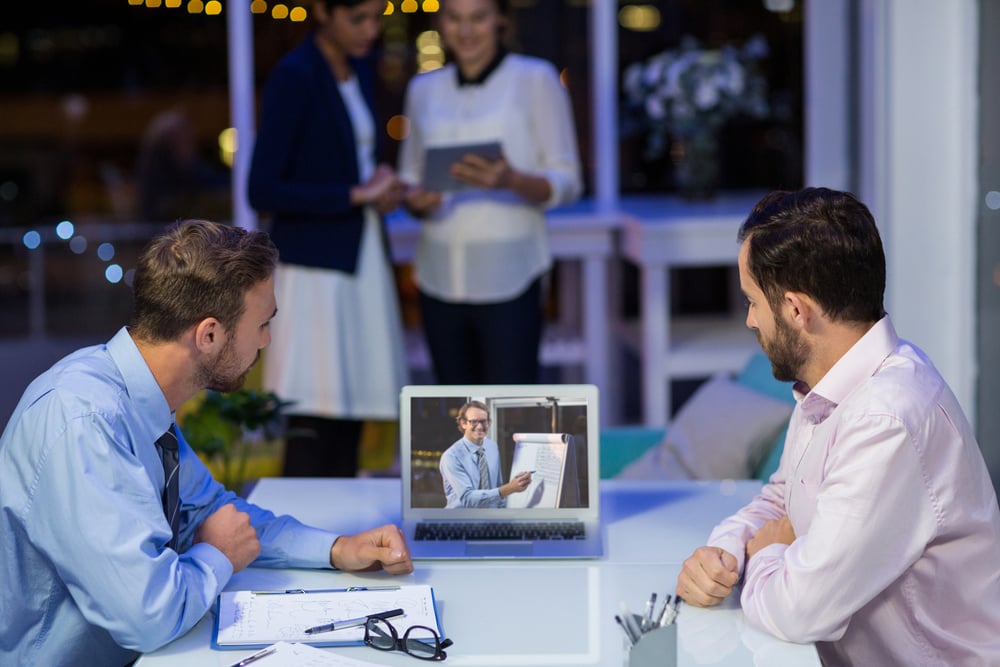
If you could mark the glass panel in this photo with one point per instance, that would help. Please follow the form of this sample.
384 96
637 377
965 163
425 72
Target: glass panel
757 137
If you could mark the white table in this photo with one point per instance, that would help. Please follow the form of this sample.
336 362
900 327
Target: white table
529 613
662 233
577 233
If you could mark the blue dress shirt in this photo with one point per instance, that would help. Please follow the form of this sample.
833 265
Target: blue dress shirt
85 573
460 473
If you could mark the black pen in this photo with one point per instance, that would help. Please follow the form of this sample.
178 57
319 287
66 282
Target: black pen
349 589
352 622
256 656
628 633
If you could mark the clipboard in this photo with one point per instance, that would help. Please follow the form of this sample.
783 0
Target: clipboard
257 619
438 161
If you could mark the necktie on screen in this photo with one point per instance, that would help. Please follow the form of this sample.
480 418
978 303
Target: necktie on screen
167 444
484 472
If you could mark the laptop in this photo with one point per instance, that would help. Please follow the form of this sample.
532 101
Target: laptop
547 433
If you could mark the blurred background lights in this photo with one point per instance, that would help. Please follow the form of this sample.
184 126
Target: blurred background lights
430 54
993 200
298 14
64 230
213 7
258 7
431 6
408 6
78 244
106 251
113 273
227 146
390 8
279 11
640 18
172 4
195 6
129 277
398 127
31 239
153 3
8 190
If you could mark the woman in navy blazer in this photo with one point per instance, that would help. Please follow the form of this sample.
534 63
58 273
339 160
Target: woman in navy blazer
337 347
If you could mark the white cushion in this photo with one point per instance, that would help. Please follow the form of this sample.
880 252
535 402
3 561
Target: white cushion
721 432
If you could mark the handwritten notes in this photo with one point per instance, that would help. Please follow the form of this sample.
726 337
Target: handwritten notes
254 618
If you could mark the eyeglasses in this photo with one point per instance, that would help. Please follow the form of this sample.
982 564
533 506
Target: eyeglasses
477 422
418 641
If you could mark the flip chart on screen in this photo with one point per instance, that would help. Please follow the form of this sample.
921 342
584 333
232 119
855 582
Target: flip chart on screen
545 453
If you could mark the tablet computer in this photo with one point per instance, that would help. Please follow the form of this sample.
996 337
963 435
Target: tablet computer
438 161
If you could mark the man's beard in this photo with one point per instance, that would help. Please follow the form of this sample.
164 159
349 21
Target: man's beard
222 374
788 353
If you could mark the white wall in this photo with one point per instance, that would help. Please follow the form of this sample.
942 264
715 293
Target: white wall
917 171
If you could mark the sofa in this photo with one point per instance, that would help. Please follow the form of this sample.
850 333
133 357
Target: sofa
732 427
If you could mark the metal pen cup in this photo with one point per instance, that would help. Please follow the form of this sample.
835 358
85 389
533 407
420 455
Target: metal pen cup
656 648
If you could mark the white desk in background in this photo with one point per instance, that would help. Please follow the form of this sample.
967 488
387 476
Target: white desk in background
577 233
662 233
528 613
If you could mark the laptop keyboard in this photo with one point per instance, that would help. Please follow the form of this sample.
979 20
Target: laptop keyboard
543 530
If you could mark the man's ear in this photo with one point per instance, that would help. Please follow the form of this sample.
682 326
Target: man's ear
208 335
800 309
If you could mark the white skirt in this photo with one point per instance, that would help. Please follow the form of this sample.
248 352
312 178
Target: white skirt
337 342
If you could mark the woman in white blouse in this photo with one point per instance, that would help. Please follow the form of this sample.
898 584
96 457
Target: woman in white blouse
483 250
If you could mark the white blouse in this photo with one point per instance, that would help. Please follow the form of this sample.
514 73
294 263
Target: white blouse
485 246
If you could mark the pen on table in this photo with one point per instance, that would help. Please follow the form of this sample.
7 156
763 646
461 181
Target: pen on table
352 622
349 589
256 656
647 620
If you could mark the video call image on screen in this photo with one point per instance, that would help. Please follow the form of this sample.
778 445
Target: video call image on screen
543 435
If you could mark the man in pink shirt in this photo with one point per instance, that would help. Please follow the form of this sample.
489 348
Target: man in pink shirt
878 537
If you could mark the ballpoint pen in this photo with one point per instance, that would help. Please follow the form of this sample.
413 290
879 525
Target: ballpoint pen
349 589
352 622
663 612
628 634
647 620
256 656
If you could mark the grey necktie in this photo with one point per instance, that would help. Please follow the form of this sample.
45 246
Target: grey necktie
484 472
167 444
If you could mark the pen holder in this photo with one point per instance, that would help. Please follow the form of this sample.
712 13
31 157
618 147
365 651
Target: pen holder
656 648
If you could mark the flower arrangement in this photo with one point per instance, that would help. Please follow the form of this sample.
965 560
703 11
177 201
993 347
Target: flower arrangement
692 91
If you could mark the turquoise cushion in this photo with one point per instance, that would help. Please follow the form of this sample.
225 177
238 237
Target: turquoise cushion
623 444
757 376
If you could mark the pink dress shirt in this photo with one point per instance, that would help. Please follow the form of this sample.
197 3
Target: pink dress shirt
897 553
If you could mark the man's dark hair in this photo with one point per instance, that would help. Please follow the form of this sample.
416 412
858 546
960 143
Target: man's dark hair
197 269
820 242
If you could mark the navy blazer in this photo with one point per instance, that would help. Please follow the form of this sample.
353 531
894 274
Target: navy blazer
305 161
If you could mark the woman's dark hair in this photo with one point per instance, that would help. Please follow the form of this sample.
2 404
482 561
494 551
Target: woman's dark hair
820 242
194 270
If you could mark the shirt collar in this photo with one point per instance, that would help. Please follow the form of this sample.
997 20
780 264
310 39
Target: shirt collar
858 363
140 384
480 78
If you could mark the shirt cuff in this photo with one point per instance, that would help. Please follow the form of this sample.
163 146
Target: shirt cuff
211 559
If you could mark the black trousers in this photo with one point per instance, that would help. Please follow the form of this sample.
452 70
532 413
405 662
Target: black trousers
495 343
321 447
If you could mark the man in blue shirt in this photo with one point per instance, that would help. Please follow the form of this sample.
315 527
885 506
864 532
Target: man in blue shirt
469 482
85 567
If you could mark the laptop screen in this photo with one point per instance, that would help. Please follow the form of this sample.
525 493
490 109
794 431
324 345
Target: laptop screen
511 451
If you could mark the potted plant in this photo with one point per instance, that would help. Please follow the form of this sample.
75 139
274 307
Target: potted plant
233 430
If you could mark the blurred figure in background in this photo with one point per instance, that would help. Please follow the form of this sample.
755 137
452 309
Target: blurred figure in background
337 347
174 180
483 251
